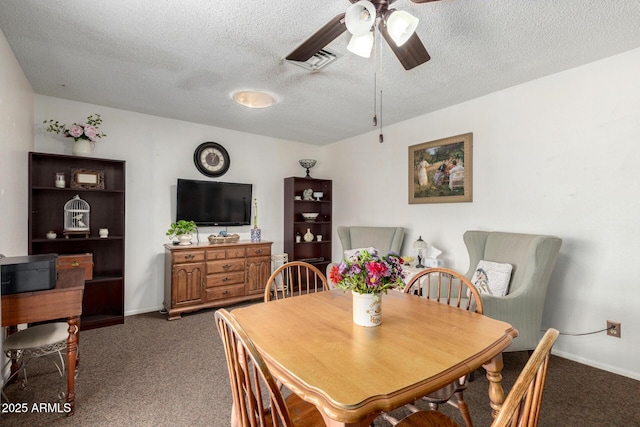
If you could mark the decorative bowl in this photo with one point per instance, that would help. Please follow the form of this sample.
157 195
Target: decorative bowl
307 163
310 216
318 195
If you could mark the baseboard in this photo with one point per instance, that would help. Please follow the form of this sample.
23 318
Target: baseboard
604 367
142 310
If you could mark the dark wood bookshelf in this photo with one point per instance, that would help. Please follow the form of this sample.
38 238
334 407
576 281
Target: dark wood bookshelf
103 301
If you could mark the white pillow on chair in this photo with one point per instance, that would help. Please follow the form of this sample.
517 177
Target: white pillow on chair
492 278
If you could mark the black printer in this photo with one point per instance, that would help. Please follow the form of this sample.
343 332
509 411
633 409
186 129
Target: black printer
28 273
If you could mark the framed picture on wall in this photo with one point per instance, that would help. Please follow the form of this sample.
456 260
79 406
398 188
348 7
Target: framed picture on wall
440 171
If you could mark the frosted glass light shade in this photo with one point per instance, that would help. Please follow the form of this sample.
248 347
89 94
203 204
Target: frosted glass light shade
360 17
401 25
361 45
254 99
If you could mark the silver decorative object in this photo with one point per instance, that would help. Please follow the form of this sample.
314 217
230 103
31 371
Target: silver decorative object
308 164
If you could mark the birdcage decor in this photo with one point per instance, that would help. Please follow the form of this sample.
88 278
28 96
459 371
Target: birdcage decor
76 217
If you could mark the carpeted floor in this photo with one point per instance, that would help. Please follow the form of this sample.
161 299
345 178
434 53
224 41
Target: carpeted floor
151 372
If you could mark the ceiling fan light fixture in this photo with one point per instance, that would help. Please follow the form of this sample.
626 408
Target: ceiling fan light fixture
360 17
254 98
401 25
361 45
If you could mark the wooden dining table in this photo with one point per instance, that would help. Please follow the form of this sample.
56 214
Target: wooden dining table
352 373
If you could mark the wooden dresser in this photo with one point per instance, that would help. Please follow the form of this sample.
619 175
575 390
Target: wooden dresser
207 275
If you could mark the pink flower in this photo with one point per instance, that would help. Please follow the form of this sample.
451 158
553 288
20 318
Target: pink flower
90 132
75 131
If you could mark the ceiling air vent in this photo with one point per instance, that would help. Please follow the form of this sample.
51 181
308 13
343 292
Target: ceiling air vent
317 61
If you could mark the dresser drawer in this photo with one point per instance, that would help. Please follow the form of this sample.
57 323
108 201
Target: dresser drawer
224 279
187 256
213 254
223 292
225 266
259 250
235 253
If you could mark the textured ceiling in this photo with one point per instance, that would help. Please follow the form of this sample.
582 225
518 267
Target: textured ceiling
182 59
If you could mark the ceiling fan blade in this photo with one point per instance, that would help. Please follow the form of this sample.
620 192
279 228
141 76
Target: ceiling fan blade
411 54
319 39
423 1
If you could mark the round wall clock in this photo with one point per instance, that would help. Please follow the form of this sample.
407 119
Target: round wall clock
211 159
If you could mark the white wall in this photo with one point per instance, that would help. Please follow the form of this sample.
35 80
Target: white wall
157 151
16 139
559 155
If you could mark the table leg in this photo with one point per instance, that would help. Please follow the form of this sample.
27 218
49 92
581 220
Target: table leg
494 375
72 341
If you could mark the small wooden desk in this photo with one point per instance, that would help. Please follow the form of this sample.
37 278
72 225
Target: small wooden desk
352 373
63 301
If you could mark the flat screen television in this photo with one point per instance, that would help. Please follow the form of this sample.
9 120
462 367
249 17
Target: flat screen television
210 203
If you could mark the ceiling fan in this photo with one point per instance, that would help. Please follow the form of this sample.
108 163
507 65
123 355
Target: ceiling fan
397 27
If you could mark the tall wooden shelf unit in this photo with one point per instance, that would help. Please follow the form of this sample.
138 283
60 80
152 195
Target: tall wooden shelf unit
103 301
315 252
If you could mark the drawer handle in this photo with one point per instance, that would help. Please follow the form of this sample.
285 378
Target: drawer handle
258 251
226 292
189 256
226 279
75 264
226 266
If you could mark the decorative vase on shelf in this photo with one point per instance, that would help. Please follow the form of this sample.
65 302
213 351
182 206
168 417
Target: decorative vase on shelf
308 236
256 234
81 147
367 309
184 239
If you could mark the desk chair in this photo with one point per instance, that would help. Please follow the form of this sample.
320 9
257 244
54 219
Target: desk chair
37 341
523 403
294 278
257 400
445 286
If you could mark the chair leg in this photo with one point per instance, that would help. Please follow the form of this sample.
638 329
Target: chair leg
463 408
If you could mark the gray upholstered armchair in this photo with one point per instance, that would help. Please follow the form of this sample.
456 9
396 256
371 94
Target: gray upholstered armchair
533 258
385 239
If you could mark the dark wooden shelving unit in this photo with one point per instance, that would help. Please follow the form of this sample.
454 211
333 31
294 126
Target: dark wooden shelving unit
103 301
315 252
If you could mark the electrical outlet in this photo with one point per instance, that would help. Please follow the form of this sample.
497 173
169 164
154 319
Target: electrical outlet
613 328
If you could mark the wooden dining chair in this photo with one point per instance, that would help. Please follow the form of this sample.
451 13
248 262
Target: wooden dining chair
294 278
257 400
446 286
522 406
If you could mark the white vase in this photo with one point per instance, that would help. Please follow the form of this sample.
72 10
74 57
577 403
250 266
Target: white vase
81 147
308 236
184 239
367 309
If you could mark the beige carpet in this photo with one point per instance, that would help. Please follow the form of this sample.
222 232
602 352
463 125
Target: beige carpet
151 372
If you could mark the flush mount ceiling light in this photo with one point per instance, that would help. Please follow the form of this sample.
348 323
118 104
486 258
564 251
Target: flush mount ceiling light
254 99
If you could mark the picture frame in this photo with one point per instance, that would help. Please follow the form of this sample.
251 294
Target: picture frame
87 179
441 171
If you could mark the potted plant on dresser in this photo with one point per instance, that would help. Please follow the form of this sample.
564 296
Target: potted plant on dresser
182 229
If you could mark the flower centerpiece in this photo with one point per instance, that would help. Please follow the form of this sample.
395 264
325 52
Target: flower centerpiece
368 275
83 134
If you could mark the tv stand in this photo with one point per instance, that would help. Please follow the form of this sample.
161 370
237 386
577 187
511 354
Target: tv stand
203 275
